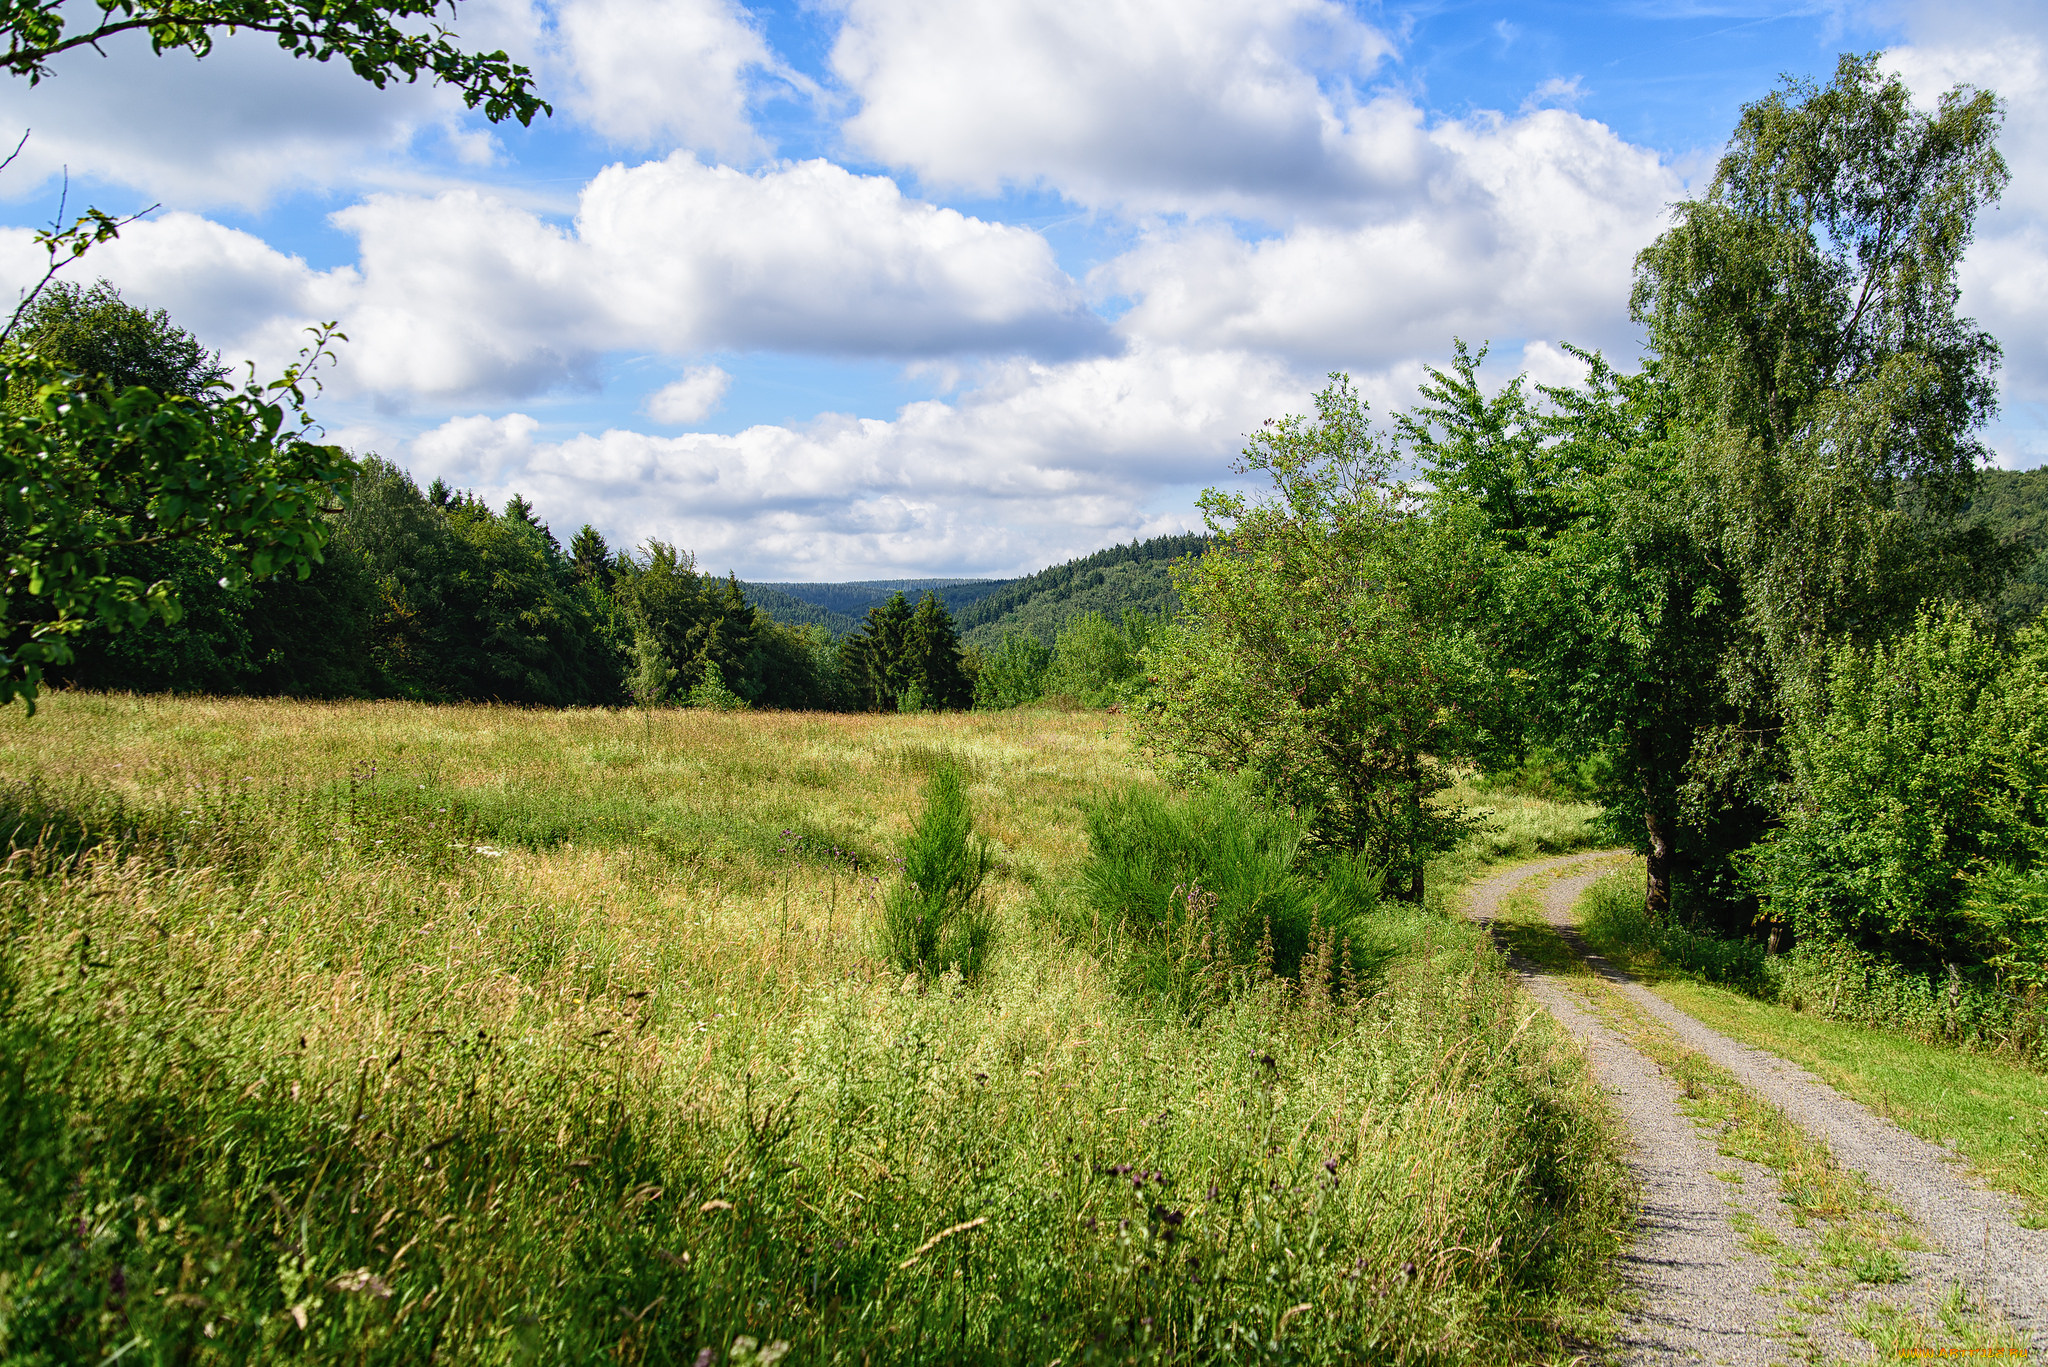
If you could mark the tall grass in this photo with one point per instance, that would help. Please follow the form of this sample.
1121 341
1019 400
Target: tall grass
298 1064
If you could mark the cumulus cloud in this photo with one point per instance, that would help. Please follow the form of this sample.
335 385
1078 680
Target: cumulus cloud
1148 104
1037 461
667 73
693 398
2005 276
1530 229
240 127
249 123
464 295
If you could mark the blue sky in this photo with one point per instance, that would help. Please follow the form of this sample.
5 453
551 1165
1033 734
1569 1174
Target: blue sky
890 287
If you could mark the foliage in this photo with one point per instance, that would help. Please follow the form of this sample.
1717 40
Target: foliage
933 658
1310 658
1595 602
711 691
652 677
1825 978
2013 505
95 333
90 471
1113 581
1919 803
1186 896
841 607
906 659
1826 393
381 40
1012 674
1097 662
791 610
936 918
546 1074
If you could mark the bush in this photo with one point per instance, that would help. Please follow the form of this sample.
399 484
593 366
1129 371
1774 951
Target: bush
1095 661
1925 765
936 918
1829 978
1616 922
1012 674
711 691
1179 891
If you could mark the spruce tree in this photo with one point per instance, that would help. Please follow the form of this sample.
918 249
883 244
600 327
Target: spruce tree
932 651
873 659
592 557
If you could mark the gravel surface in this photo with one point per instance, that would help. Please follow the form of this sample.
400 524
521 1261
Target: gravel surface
1702 1294
1978 1239
1697 1289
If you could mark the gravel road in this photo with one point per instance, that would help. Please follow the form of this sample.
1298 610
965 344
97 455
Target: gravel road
1702 1294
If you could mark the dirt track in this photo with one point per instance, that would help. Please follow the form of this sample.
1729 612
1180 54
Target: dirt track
1704 1291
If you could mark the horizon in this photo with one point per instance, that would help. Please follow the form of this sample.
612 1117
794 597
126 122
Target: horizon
886 290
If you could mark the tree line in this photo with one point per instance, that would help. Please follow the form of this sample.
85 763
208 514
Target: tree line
433 595
1737 596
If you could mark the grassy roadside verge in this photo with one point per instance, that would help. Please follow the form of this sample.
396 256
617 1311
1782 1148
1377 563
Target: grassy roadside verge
1995 1113
382 1032
1840 1243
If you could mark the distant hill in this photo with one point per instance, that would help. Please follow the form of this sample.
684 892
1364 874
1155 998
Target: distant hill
839 608
1111 581
986 610
792 611
2015 502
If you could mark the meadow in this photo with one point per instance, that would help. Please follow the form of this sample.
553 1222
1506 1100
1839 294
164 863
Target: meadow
386 1032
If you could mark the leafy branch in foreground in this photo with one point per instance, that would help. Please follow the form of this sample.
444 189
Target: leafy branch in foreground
87 468
364 33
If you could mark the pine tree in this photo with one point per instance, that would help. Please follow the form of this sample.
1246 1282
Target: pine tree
932 657
592 557
873 660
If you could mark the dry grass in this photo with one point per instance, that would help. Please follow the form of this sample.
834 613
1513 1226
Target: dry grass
384 1031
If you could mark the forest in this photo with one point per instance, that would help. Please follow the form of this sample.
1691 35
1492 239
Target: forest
433 595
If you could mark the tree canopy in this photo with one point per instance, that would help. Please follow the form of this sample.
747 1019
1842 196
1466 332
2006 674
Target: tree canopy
381 40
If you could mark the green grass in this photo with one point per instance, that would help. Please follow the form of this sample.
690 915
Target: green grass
1995 1112
383 1032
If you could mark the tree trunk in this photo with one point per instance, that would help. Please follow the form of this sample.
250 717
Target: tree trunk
1657 826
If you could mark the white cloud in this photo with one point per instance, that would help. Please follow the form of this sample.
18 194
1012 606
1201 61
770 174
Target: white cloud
693 398
463 295
1036 462
1529 229
240 127
2005 276
227 287
1148 104
249 123
1555 93
666 73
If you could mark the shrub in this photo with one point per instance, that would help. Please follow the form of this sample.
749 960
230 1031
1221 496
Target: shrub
1012 674
1616 922
652 676
935 917
712 692
1925 762
1095 661
1827 977
1176 890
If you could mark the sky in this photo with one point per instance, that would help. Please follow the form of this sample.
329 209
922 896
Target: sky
844 289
